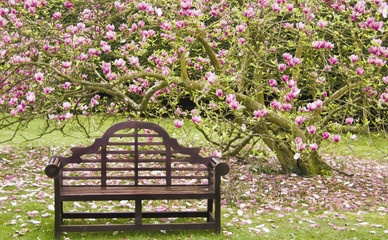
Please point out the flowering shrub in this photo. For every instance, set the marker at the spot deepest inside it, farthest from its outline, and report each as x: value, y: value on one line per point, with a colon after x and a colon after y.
x: 282, y: 71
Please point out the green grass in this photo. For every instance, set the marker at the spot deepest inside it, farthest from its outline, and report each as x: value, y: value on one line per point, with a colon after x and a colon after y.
x: 28, y: 190
x: 373, y: 146
x: 72, y: 134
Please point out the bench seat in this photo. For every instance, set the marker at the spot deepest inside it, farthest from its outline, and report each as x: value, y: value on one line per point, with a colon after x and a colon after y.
x: 90, y: 193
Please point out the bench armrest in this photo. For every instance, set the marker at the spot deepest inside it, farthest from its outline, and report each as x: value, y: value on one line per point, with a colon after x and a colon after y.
x: 220, y: 168
x: 53, y: 167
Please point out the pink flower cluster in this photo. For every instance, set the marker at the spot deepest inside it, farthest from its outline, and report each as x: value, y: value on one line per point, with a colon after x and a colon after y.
x: 231, y: 100
x: 322, y: 44
x: 260, y: 113
x: 292, y: 61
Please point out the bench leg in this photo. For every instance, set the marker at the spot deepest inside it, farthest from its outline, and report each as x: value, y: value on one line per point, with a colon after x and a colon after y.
x: 138, y: 210
x: 58, y: 210
x: 209, y: 209
x: 58, y: 218
x: 217, y: 214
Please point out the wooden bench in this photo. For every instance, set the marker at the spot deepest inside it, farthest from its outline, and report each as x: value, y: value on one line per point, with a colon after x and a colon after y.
x: 136, y: 161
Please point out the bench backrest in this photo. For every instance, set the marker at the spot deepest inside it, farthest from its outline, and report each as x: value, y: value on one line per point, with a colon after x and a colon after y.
x: 135, y: 153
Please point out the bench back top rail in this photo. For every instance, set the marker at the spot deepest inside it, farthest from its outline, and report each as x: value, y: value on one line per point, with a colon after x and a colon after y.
x: 135, y: 153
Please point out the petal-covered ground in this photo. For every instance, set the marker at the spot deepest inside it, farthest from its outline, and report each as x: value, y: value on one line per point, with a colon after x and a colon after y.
x: 253, y: 202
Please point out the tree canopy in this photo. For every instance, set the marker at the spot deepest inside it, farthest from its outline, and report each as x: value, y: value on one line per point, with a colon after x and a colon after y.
x: 292, y: 74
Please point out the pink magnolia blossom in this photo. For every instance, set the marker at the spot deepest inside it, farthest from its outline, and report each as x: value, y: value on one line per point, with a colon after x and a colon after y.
x: 287, y: 57
x: 83, y: 56
x: 300, y: 25
x: 23, y: 104
x: 336, y: 138
x: 134, y: 61
x: 12, y: 101
x: 68, y: 4
x: 311, y: 106
x: 329, y: 45
x: 360, y: 7
x: 119, y: 6
x: 66, y: 105
x: 66, y: 85
x: 353, y: 137
x: 359, y: 71
x: 385, y: 79
x: 66, y: 65
x: 260, y: 113
x: 196, y: 119
x: 119, y: 62
x: 20, y: 108
x: 110, y: 27
x: 299, y: 119
x: 349, y: 120
x: 272, y: 82
x: 240, y: 28
x: 313, y: 146
x: 106, y: 48
x: 106, y: 67
x: 56, y: 15
x: 68, y: 115
x: 186, y: 4
x: 48, y: 90
x: 179, y: 24
x: 353, y: 58
x: 276, y: 8
x: 311, y: 129
x: 141, y: 24
x: 38, y: 76
x: 30, y: 96
x: 110, y: 35
x: 294, y: 61
x: 213, y: 105
x: 285, y: 78
x: 291, y: 83
x: 249, y: 13
x: 287, y: 107
x: 234, y: 105
x: 13, y: 112
x: 94, y: 102
x: 322, y: 23
x: 230, y: 98
x: 301, y: 146
x: 290, y: 7
x: 3, y: 22
x: 111, y: 76
x: 333, y: 60
x: 325, y: 135
x: 210, y: 77
x: 165, y: 71
x: 178, y: 123
x: 219, y: 93
x: 276, y: 105
x: 282, y: 67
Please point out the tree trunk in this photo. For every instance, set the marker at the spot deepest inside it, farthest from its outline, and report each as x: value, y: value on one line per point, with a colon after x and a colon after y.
x: 307, y: 163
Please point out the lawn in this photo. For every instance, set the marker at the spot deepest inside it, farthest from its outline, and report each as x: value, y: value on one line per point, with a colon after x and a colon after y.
x: 258, y: 201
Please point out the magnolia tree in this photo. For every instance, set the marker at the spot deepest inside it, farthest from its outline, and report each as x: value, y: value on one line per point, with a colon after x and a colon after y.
x: 289, y: 73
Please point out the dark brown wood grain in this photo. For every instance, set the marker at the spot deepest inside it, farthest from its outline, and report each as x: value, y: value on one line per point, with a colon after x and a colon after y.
x: 129, y: 167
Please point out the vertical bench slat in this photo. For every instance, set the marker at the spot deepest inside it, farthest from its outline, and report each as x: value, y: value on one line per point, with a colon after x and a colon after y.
x: 136, y: 157
x: 103, y: 165
x: 168, y: 165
